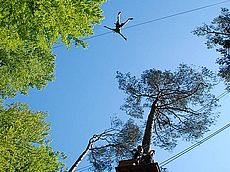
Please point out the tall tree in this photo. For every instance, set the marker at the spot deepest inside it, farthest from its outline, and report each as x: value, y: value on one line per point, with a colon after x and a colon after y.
x: 177, y: 103
x: 29, y: 29
x: 24, y: 145
x: 218, y: 35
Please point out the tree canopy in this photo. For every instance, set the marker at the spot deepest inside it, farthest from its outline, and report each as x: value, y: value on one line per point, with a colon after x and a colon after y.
x: 42, y: 23
x: 24, y: 145
x: 177, y: 103
x: 218, y: 35
x: 29, y: 29
x: 21, y: 69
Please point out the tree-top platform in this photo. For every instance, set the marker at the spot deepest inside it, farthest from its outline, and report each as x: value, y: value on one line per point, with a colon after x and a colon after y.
x: 132, y: 166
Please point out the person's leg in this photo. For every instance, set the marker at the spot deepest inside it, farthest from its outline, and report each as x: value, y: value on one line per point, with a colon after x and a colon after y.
x: 123, y: 36
x: 119, y: 17
x: 118, y: 25
x: 122, y: 24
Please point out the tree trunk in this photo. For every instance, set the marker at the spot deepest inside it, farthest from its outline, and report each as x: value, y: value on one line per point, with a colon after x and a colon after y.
x: 76, y: 163
x: 146, y: 142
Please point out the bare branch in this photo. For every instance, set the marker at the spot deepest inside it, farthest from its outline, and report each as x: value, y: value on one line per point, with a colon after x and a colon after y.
x: 79, y: 159
x: 187, y: 110
x: 105, y: 146
x: 214, y: 32
x: 186, y: 95
x: 158, y: 136
x: 92, y: 140
x: 172, y: 112
x: 169, y: 121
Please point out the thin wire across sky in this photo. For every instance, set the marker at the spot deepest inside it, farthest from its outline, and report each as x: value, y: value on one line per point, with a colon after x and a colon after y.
x: 171, y: 159
x: 155, y: 20
x: 198, y: 143
x: 162, y: 164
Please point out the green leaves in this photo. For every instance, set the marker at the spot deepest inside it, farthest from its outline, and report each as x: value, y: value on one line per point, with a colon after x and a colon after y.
x: 27, y: 36
x: 43, y: 22
x: 25, y: 68
x: 23, y: 145
x: 29, y: 29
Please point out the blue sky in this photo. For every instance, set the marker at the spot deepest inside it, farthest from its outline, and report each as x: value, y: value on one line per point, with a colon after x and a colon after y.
x: 85, y: 92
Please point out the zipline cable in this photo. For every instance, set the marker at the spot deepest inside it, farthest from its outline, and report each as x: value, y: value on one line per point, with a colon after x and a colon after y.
x: 84, y: 168
x: 162, y: 164
x: 201, y: 141
x: 187, y: 149
x: 177, y: 14
x: 217, y: 99
x: 193, y: 146
x: 157, y: 19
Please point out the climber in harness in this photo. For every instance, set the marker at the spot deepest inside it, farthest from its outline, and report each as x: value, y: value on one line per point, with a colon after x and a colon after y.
x: 119, y: 25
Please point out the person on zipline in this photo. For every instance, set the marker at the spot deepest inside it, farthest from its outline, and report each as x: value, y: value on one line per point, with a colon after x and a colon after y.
x: 119, y: 25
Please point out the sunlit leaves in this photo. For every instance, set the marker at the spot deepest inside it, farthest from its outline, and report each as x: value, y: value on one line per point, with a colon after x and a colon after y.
x: 43, y: 22
x: 25, y: 68
x: 24, y: 146
x: 29, y: 29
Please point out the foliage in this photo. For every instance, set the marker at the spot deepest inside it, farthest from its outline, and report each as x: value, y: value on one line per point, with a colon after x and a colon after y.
x: 217, y: 33
x: 115, y: 146
x: 41, y: 23
x: 177, y: 103
x: 181, y: 106
x: 23, y: 145
x: 29, y: 29
x: 24, y: 68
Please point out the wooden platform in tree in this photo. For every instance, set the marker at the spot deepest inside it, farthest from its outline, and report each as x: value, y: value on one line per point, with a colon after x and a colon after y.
x: 132, y: 166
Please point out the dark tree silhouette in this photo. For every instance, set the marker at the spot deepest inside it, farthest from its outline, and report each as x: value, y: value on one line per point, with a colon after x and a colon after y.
x: 176, y: 102
x: 180, y: 106
x: 116, y: 146
x: 218, y: 35
x: 105, y: 135
x: 109, y: 146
